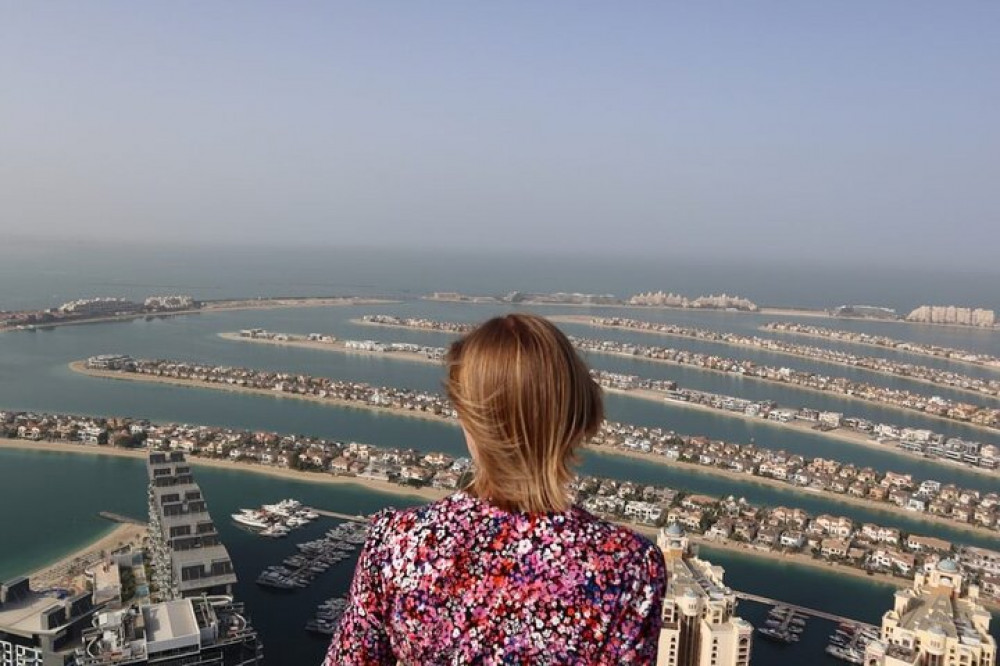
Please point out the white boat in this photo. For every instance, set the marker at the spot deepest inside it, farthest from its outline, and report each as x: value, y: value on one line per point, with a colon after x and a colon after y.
x: 250, y: 518
x: 277, y: 509
x: 275, y: 532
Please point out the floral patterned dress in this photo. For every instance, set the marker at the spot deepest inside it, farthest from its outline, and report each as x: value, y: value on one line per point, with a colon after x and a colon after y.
x: 460, y: 581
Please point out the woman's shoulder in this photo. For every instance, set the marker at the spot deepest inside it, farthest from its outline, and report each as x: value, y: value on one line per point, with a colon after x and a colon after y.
x: 619, y: 541
x: 392, y: 521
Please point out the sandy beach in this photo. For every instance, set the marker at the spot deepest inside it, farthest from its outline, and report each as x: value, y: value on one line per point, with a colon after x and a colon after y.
x: 428, y: 494
x: 799, y: 387
x: 885, y: 507
x: 80, y: 367
x: 335, y: 346
x: 842, y: 434
x: 68, y: 572
x: 850, y: 500
x: 585, y: 321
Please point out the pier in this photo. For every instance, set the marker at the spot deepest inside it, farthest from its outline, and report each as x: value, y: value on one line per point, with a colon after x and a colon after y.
x: 802, y: 610
x: 119, y: 518
x: 355, y: 518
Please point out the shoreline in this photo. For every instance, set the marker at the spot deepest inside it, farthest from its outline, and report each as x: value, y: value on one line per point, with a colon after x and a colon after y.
x: 846, y: 436
x: 581, y: 320
x: 946, y: 359
x: 764, y: 380
x: 80, y: 367
x: 793, y: 312
x: 884, y: 507
x: 767, y: 310
x: 836, y: 498
x: 430, y: 494
x: 335, y: 346
x: 799, y: 387
x: 361, y: 322
x: 840, y: 434
x: 59, y: 573
x: 229, y: 305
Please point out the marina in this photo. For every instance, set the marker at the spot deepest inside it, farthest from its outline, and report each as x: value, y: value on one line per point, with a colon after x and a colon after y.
x: 849, y: 641
x: 784, y: 624
x: 327, y: 615
x: 276, y: 520
x: 287, y: 417
x: 314, y: 558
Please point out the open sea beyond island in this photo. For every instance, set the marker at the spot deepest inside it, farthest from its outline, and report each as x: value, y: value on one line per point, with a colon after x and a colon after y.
x: 49, y: 501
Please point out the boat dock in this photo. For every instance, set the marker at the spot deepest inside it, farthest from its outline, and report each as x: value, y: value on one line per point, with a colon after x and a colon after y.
x: 849, y: 642
x: 783, y: 624
x: 802, y: 610
x: 355, y: 518
x: 119, y: 518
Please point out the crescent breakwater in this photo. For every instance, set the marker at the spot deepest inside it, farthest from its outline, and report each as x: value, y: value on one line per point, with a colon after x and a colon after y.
x: 719, y: 522
x: 30, y: 320
x: 917, y: 443
x: 895, y: 493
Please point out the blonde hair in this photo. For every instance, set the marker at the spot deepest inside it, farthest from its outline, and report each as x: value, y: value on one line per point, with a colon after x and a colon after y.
x: 527, y: 401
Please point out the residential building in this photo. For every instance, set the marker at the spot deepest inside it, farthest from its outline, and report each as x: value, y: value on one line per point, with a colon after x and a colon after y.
x: 194, y: 631
x: 700, y: 627
x: 188, y: 558
x: 40, y: 629
x: 937, y: 622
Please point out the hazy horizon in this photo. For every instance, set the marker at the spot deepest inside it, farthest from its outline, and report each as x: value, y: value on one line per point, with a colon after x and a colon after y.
x: 770, y: 133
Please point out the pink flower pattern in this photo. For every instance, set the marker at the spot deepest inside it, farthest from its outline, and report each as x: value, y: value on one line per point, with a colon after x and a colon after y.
x: 460, y: 581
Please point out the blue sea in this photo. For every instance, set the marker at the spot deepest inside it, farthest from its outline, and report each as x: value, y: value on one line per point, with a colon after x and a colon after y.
x: 41, y: 526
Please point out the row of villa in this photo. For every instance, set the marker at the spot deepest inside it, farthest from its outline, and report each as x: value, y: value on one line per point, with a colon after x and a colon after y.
x: 988, y: 387
x: 976, y: 508
x: 858, y: 337
x: 281, y: 382
x: 838, y: 539
x: 434, y: 353
x: 933, y: 405
x: 920, y: 441
x: 961, y: 505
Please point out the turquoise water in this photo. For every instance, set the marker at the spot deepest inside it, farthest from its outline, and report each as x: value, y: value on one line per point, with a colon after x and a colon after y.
x: 49, y: 502
x: 53, y: 524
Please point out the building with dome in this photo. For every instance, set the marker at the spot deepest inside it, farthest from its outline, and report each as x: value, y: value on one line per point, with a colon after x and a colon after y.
x: 937, y: 622
x: 700, y: 627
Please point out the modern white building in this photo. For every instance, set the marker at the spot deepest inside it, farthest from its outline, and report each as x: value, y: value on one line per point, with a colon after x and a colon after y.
x: 700, y: 627
x: 937, y: 622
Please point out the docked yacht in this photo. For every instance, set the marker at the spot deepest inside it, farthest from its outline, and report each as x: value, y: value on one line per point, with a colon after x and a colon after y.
x: 250, y: 518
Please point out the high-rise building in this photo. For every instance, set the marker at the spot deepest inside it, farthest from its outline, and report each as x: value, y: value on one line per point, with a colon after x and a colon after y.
x: 197, y: 622
x: 40, y: 628
x: 937, y: 622
x: 700, y: 627
x: 188, y: 559
x: 195, y: 631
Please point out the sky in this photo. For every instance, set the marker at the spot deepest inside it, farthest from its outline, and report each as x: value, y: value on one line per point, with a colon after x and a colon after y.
x: 814, y: 131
